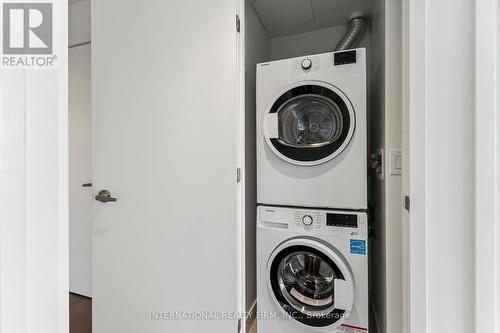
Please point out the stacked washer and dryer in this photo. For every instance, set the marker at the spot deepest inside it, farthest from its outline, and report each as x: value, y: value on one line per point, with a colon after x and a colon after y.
x: 312, y: 225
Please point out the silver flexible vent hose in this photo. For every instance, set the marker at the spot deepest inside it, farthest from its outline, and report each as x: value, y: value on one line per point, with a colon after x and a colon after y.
x: 355, y: 31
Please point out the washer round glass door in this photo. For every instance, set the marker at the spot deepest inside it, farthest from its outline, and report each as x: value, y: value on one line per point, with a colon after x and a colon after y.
x: 311, y: 283
x: 310, y: 124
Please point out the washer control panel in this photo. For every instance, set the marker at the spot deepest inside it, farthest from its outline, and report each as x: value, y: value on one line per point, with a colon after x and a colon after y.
x: 342, y: 220
x: 312, y: 221
x: 308, y: 220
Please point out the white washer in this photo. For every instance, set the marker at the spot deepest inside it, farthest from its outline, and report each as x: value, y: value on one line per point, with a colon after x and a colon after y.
x: 311, y: 131
x: 312, y: 271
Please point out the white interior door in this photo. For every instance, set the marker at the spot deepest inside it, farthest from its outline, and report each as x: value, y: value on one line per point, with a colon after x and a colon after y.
x: 80, y: 197
x: 164, y: 144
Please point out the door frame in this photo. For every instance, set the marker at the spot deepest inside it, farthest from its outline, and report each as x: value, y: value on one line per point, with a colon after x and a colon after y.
x: 414, y: 174
x: 486, y: 161
x: 487, y: 167
x: 241, y: 199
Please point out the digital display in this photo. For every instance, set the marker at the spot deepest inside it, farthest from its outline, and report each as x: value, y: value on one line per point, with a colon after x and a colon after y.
x: 342, y: 220
x: 344, y: 58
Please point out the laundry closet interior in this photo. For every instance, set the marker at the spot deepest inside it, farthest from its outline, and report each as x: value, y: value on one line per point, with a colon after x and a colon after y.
x: 295, y: 32
x: 228, y: 166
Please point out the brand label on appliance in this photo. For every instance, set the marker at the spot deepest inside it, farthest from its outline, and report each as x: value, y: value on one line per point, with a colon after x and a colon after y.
x: 358, y: 246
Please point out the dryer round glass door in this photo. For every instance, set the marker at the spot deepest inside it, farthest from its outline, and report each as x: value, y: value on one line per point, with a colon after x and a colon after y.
x: 311, y: 283
x: 310, y: 124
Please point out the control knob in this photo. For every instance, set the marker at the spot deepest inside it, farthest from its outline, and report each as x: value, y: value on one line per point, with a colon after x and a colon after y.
x: 306, y: 63
x: 307, y: 220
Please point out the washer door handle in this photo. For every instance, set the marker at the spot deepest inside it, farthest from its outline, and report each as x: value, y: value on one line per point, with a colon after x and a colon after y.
x: 343, y: 297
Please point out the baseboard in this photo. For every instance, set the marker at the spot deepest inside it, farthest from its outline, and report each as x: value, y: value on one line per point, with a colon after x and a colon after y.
x: 251, y: 315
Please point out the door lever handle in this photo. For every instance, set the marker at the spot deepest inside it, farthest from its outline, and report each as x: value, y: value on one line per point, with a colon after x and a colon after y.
x: 105, y: 196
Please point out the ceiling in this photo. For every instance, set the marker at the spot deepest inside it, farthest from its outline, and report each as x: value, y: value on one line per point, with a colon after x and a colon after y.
x: 288, y: 17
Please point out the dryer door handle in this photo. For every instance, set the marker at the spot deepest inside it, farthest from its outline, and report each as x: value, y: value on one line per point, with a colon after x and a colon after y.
x: 271, y: 130
x: 343, y: 295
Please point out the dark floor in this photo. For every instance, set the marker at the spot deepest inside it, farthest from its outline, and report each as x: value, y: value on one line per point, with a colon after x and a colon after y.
x: 80, y: 314
x: 253, y: 328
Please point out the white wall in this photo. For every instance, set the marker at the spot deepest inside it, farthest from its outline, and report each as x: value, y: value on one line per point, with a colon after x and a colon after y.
x: 34, y: 192
x: 81, y: 198
x: 257, y: 50
x: 318, y: 41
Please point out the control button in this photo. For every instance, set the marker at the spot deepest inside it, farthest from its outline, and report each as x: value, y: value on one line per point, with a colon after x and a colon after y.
x: 306, y: 63
x: 307, y: 220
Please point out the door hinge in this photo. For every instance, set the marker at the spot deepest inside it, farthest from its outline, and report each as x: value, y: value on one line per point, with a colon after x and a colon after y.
x: 239, y: 325
x: 407, y: 203
x: 238, y: 175
x: 238, y: 23
x: 377, y: 163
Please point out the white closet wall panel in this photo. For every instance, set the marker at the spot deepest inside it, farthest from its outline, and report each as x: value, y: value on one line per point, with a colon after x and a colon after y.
x: 34, y: 193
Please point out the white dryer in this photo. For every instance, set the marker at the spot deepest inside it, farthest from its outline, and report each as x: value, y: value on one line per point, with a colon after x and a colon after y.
x: 311, y: 131
x: 312, y: 271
